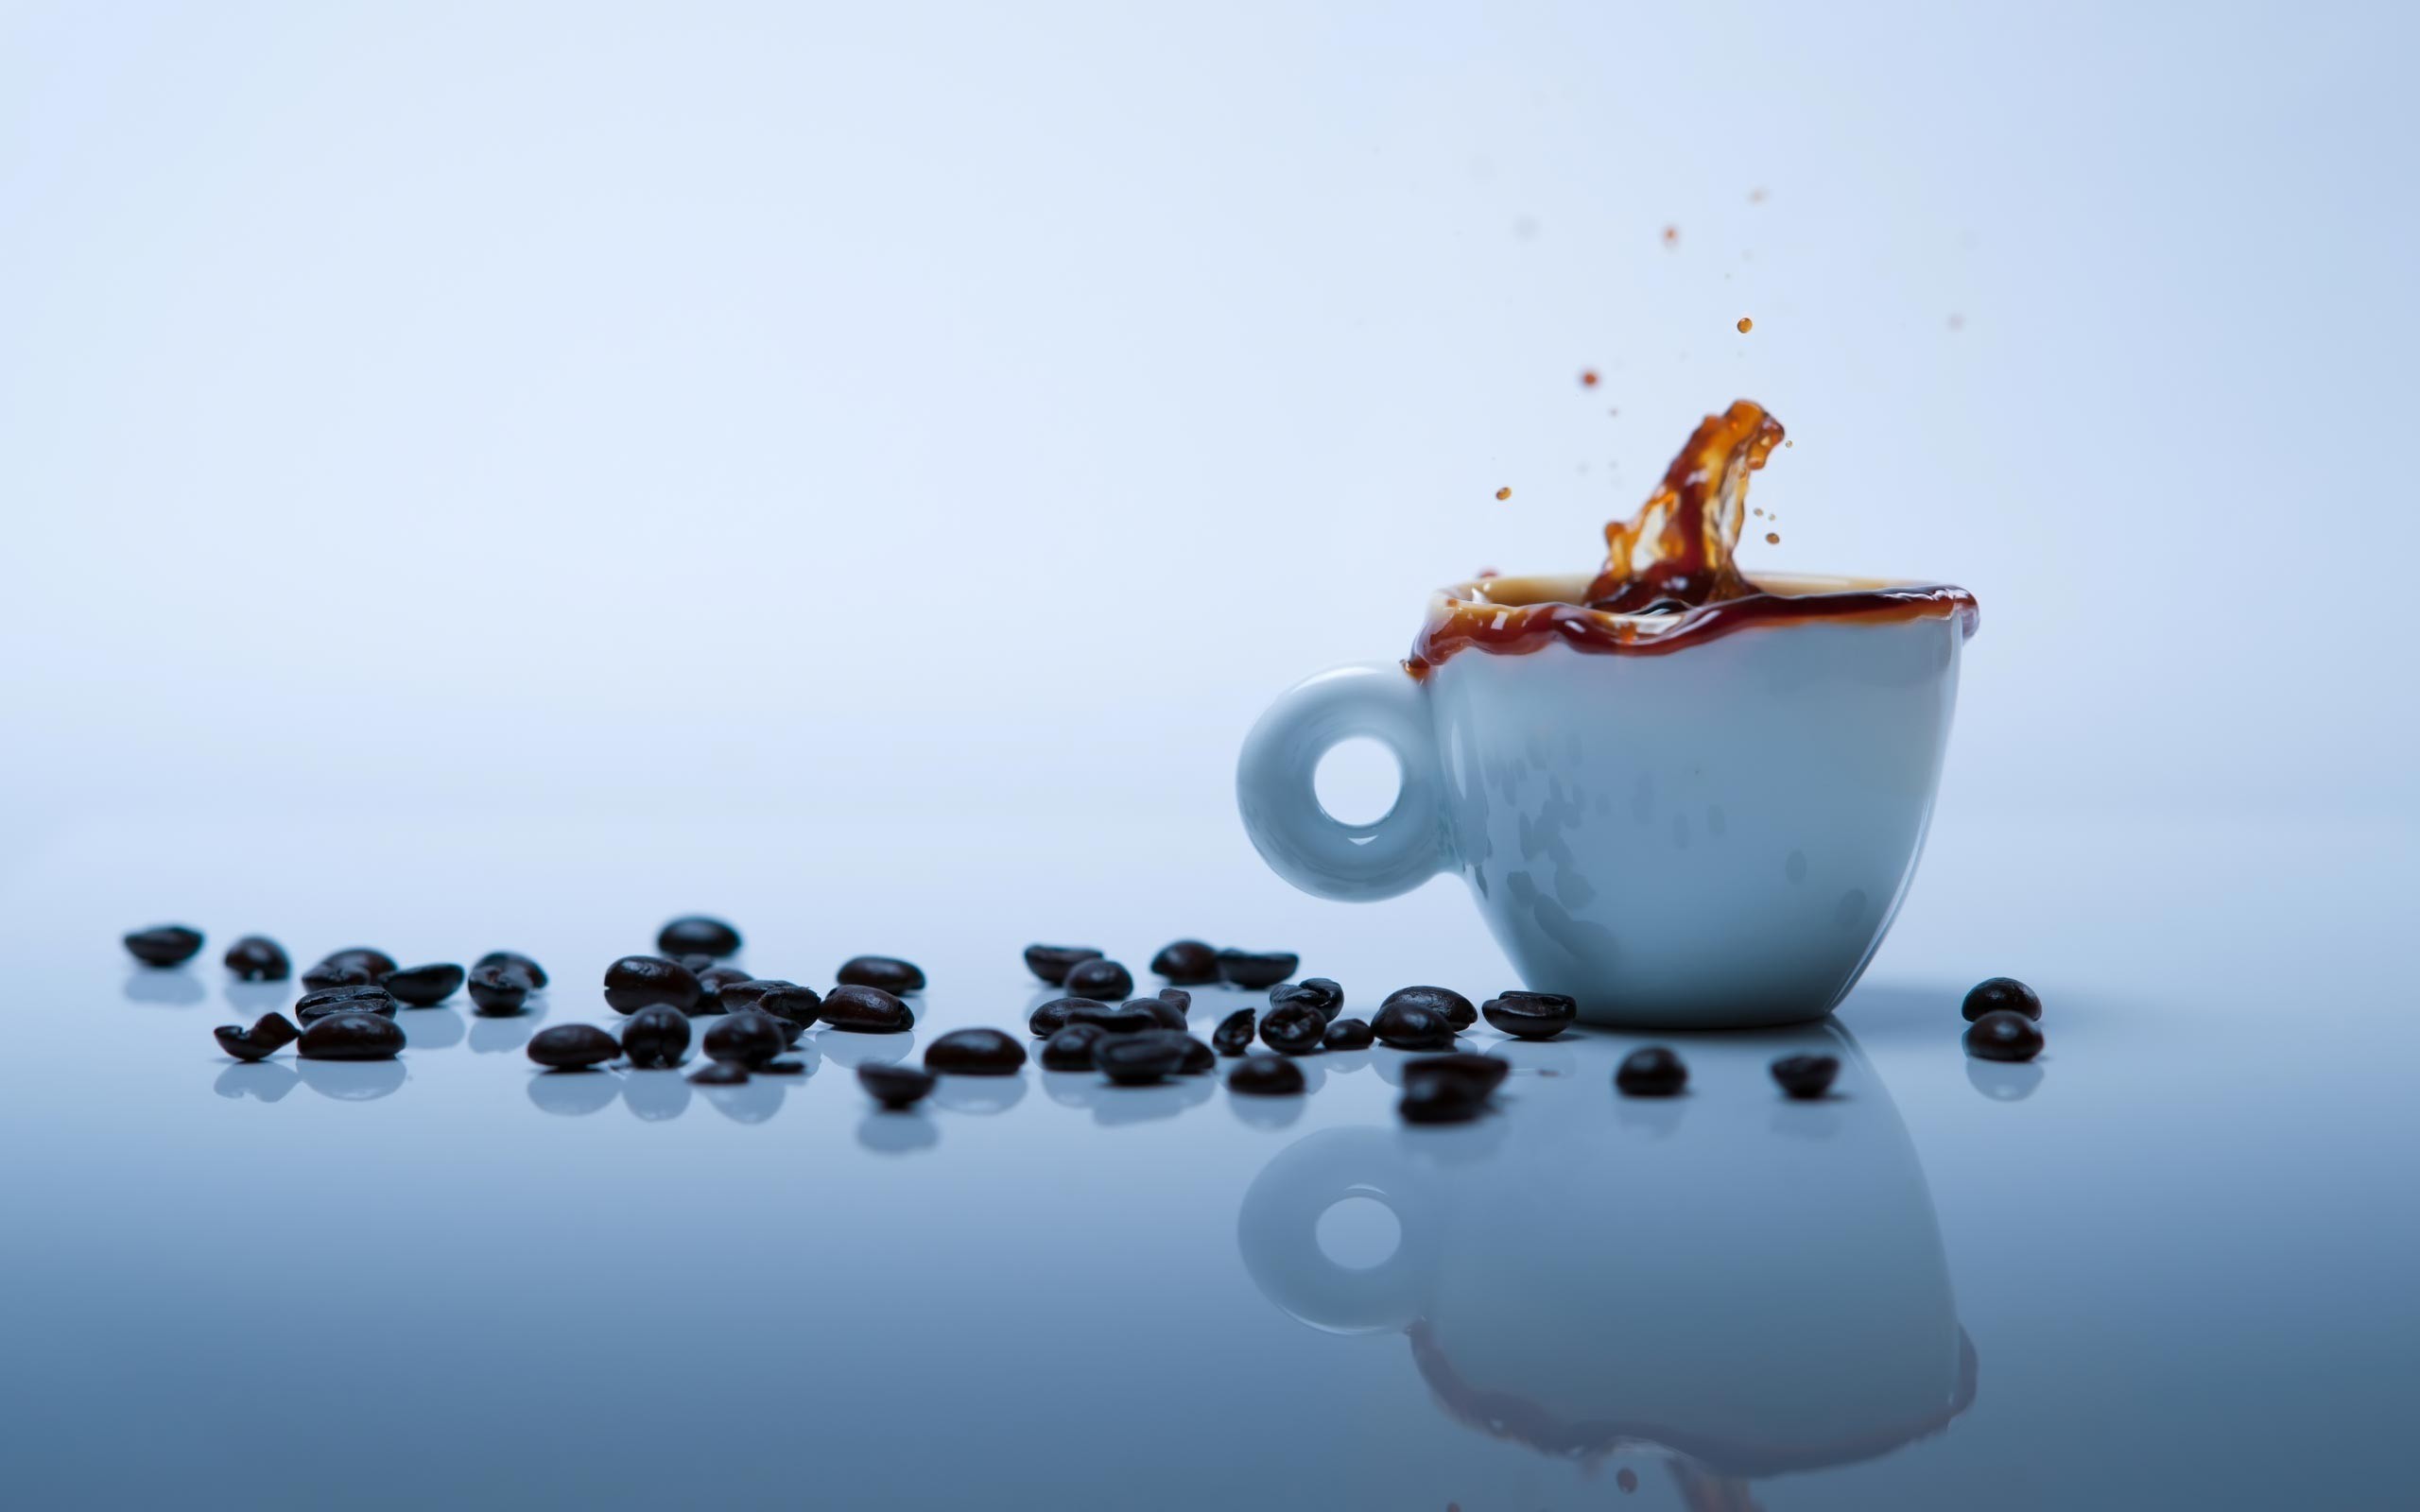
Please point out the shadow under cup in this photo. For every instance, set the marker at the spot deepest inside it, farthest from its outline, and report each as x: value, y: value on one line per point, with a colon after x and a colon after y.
x: 1715, y: 835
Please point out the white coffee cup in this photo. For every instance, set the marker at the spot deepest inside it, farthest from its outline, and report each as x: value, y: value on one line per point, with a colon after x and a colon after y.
x: 1716, y: 836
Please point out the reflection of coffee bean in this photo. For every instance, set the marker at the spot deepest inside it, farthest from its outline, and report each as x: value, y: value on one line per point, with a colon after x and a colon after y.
x: 751, y: 1037
x: 359, y: 998
x: 636, y: 982
x: 1187, y: 962
x: 1100, y: 978
x: 351, y: 1037
x: 1295, y: 1030
x: 164, y: 944
x: 711, y: 983
x: 572, y: 1046
x: 1071, y: 1048
x: 1348, y: 1034
x: 514, y: 960
x: 1235, y: 1032
x: 1050, y: 962
x: 1315, y: 992
x: 866, y: 1010
x: 1266, y: 1076
x: 1806, y: 1076
x: 2001, y: 994
x: 888, y: 972
x: 1530, y: 1015
x: 720, y: 1073
x: 259, y: 958
x: 2004, y: 1035
x: 1247, y: 968
x: 895, y: 1086
x: 975, y: 1053
x: 1410, y: 1027
x: 1051, y: 1016
x: 1653, y: 1072
x: 1440, y: 1100
x: 657, y: 1036
x: 1456, y: 1008
x: 423, y: 986
x: 273, y: 1032
x: 1127, y: 1018
x: 1483, y: 1072
x: 1138, y: 1059
x: 499, y: 989
x: 697, y: 936
x: 782, y: 1068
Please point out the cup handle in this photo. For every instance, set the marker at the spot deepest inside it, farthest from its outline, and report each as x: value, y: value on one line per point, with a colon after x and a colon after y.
x: 1300, y: 840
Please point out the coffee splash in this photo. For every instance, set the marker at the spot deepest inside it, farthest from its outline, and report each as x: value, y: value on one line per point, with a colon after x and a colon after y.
x: 1678, y: 548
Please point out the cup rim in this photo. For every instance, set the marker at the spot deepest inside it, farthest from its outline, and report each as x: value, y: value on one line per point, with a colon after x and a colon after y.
x: 1571, y: 590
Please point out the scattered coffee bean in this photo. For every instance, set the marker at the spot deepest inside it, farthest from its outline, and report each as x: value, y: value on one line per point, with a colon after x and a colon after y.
x: 1100, y: 978
x: 1530, y: 1015
x: 1485, y: 1073
x: 746, y: 992
x: 273, y: 1032
x: 720, y: 1073
x: 866, y: 1010
x: 359, y: 998
x: 636, y: 982
x: 423, y: 986
x: 164, y: 944
x: 1235, y: 1032
x: 335, y: 973
x: 657, y: 1036
x: 697, y: 935
x: 1440, y: 1100
x: 2001, y: 994
x: 1409, y: 1025
x: 1124, y: 1019
x: 750, y: 1037
x: 791, y: 1029
x: 1187, y: 962
x: 895, y: 1086
x: 259, y: 958
x: 696, y: 964
x: 1295, y: 1030
x: 1805, y: 1076
x: 497, y: 989
x: 1050, y: 962
x: 1266, y: 1075
x: 710, y: 985
x: 1253, y: 970
x: 975, y: 1053
x: 514, y: 960
x: 1071, y: 1048
x: 376, y: 963
x: 782, y: 1068
x: 351, y: 1037
x: 1316, y: 992
x: 1456, y: 1008
x: 1138, y: 1059
x: 1348, y: 1034
x: 1164, y: 1013
x: 1653, y: 1072
x: 572, y: 1046
x: 1199, y: 1059
x: 1051, y: 1016
x: 888, y: 972
x: 2004, y: 1033
x: 797, y: 1005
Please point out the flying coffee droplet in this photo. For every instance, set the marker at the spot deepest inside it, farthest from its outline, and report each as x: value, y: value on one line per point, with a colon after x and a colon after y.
x: 1671, y: 236
x: 1503, y: 493
x: 1587, y: 377
x: 1746, y: 325
x: 1772, y: 537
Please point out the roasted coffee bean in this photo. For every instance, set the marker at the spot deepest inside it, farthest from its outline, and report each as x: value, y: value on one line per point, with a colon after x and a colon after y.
x: 1296, y: 1031
x: 696, y: 964
x: 1199, y: 1059
x: 273, y: 1032
x: 1266, y: 1075
x: 657, y: 1036
x: 1235, y: 1032
x: 1177, y: 997
x: 710, y: 985
x: 374, y: 964
x: 515, y: 960
x: 895, y: 1086
x: 1456, y: 1008
x: 1485, y: 1073
x: 866, y: 1010
x: 1187, y: 962
x: 2001, y: 994
x: 750, y: 1037
x: 1347, y: 1034
x: 1440, y: 1100
x: 746, y: 992
x: 720, y: 1073
x: 791, y: 1029
x: 888, y: 972
x: 1100, y: 978
x: 2004, y: 1033
x: 697, y: 935
x: 1530, y: 1015
x: 498, y: 989
x: 1164, y: 1013
x: 1050, y: 962
x: 164, y: 944
x: 1805, y: 1076
x: 1051, y: 1016
x: 1311, y: 992
x: 975, y: 1053
x: 259, y: 958
x: 1411, y: 1026
x: 1653, y: 1072
x: 1124, y: 1019
x: 1138, y: 1059
x: 359, y: 998
x: 636, y: 982
x: 335, y: 973
x: 351, y: 1037
x: 1255, y: 971
x: 800, y: 1006
x: 423, y: 986
x: 1071, y: 1048
x: 572, y: 1046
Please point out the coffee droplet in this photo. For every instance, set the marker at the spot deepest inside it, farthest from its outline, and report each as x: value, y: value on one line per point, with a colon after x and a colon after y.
x: 1746, y: 325
x: 1504, y: 493
x: 1772, y: 537
x: 1671, y: 236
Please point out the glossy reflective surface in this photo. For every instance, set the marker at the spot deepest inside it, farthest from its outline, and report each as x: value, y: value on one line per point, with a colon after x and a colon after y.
x: 2166, y: 1265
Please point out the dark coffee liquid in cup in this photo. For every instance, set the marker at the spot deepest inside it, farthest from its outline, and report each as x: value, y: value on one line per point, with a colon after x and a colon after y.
x: 1669, y: 579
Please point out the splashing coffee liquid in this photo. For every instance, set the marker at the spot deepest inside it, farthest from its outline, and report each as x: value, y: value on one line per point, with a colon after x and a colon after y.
x: 1669, y: 579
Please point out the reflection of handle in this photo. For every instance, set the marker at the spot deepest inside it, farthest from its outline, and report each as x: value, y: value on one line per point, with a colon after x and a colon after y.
x: 1278, y: 1232
x: 1300, y: 840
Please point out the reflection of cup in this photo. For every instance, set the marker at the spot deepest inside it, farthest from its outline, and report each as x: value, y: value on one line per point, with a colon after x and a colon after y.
x: 1749, y: 1296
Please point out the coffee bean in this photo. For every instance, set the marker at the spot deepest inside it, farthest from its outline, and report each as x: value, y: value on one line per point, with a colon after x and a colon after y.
x: 2001, y: 994
x: 273, y: 1032
x: 720, y: 1073
x: 2004, y: 1033
x: 888, y: 972
x: 1100, y: 978
x: 1315, y: 992
x: 697, y: 935
x: 1440, y: 1100
x: 975, y: 1053
x: 1199, y: 1059
x: 696, y: 964
x: 1051, y: 1016
x: 1411, y: 1026
x: 1530, y: 1015
x: 787, y: 1001
x: 791, y: 1029
x: 1164, y: 1013
x: 1138, y: 1059
x: 351, y: 1037
x: 571, y: 1046
x: 657, y: 1036
x: 164, y: 944
x: 746, y: 992
x: 498, y: 989
x: 1295, y: 1030
x: 636, y: 982
x: 750, y: 1037
x: 1235, y: 1032
x: 358, y: 998
x: 1805, y: 1076
x: 710, y: 985
x: 1071, y: 1048
x: 530, y: 970
x: 1188, y: 962
x: 1266, y: 1075
x: 1347, y: 1034
x: 895, y: 1086
x: 1653, y: 1072
x: 258, y: 959
x: 423, y: 986
x: 1456, y: 1008
x: 866, y: 1010
x: 1247, y: 968
x: 1124, y: 1019
x: 335, y: 973
x: 1050, y: 962
x: 1484, y: 1073
x: 1177, y: 997
x: 376, y: 963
